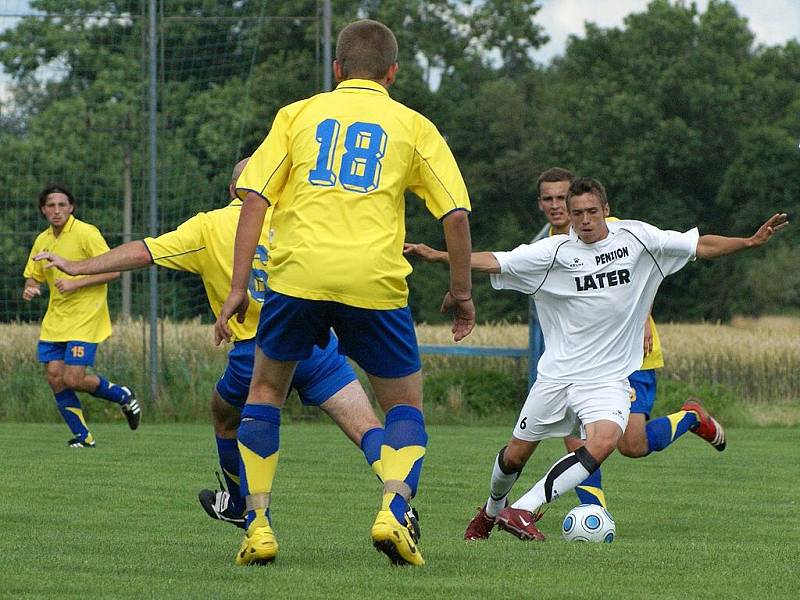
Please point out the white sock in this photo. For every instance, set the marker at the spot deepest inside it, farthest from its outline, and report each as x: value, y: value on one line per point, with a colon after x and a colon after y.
x: 501, y: 485
x: 563, y: 476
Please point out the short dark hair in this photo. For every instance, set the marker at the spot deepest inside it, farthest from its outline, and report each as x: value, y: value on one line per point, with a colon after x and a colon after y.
x: 55, y: 188
x: 553, y: 175
x: 366, y: 49
x: 587, y: 185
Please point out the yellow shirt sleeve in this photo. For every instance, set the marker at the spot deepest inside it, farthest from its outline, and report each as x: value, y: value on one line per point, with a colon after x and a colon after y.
x: 94, y: 243
x: 34, y: 269
x: 180, y: 249
x: 268, y: 169
x: 435, y: 176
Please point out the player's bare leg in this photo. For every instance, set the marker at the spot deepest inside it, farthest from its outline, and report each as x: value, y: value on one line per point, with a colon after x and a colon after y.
x: 402, y: 454
x: 633, y: 442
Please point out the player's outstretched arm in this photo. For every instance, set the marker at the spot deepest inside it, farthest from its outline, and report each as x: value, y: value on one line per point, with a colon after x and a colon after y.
x: 129, y: 256
x: 70, y: 285
x: 248, y: 232
x: 484, y: 262
x: 712, y: 246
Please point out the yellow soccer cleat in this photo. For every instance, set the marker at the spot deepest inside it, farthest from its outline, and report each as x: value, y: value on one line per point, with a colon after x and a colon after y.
x: 259, y: 546
x: 395, y: 540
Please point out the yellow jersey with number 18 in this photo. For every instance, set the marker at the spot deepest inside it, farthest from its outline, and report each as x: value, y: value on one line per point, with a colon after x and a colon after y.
x: 336, y: 166
x: 80, y: 315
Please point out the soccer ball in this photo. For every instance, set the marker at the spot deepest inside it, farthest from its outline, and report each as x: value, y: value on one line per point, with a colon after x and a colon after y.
x: 589, y: 523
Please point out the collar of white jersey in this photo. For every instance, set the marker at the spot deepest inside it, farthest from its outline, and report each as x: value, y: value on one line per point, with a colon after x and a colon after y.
x: 362, y: 85
x: 573, y: 236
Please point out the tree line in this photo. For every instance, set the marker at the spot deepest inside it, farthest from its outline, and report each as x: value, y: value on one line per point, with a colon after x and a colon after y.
x: 680, y: 114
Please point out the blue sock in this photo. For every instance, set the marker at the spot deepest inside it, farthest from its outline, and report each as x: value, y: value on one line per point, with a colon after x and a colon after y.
x: 590, y: 490
x: 70, y: 408
x: 663, y: 431
x: 110, y: 391
x: 402, y: 453
x: 371, y: 443
x: 258, y: 440
x: 228, y: 451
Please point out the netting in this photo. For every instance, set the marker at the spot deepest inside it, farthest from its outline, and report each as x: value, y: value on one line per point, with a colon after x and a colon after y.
x: 73, y: 109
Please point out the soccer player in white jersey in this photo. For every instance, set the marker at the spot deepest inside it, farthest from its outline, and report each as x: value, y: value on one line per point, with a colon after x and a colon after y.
x: 204, y: 245
x: 593, y: 289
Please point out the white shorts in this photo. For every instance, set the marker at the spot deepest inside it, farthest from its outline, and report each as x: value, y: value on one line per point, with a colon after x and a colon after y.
x: 555, y: 409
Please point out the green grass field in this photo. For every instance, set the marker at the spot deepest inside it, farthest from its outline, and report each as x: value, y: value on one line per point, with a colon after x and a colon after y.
x: 122, y: 521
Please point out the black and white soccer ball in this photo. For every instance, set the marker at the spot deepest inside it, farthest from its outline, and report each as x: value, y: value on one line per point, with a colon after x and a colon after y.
x: 589, y: 523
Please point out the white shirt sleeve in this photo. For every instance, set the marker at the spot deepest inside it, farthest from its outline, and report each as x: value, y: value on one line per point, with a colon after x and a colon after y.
x: 524, y: 268
x: 670, y: 249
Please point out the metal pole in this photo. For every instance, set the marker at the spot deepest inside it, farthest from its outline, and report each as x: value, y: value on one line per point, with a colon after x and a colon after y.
x: 327, y: 59
x: 127, y: 228
x: 153, y: 200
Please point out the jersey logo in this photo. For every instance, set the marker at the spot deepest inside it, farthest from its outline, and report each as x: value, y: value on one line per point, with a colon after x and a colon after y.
x: 575, y: 263
x: 602, y: 280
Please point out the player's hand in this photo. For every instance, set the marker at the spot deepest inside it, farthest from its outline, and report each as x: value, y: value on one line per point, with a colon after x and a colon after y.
x: 30, y: 292
x: 775, y: 223
x: 65, y: 286
x: 236, y: 304
x: 59, y: 262
x: 421, y: 250
x: 648, y: 337
x: 463, y: 316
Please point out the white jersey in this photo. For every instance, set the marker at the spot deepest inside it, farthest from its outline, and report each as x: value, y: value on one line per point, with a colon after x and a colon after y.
x: 593, y: 299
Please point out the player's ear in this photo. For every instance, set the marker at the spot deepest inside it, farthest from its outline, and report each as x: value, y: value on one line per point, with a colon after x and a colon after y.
x: 606, y: 210
x: 392, y: 73
x: 337, y: 71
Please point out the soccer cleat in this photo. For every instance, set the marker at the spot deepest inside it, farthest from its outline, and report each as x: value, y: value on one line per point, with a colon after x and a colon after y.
x: 131, y: 409
x: 520, y: 523
x: 395, y: 540
x: 217, y: 504
x: 259, y: 546
x: 77, y: 442
x: 707, y: 427
x: 480, y: 526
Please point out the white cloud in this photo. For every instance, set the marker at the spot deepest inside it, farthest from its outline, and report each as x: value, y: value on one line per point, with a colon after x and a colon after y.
x: 772, y: 21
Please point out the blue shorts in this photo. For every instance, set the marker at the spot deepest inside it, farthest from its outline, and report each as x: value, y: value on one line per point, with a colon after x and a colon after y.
x: 72, y: 353
x: 382, y: 342
x: 644, y: 386
x: 316, y: 379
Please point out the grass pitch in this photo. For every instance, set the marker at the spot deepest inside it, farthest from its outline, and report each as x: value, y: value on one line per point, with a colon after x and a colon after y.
x: 122, y: 520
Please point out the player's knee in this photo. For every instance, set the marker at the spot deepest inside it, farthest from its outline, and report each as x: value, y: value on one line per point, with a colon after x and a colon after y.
x: 72, y: 380
x: 225, y: 417
x: 55, y: 381
x: 632, y: 448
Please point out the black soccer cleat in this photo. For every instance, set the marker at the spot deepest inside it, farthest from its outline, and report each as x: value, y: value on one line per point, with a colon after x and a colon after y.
x: 77, y: 442
x: 131, y: 409
x: 217, y: 504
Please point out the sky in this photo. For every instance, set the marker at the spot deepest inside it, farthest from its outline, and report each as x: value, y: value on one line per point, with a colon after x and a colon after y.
x: 773, y: 22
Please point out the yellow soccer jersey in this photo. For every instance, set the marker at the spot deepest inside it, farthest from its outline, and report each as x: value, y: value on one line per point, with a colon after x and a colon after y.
x: 81, y: 315
x: 336, y: 167
x: 204, y: 245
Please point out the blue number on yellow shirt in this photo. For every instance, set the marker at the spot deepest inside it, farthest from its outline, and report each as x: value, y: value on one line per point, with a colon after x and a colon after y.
x: 327, y: 134
x: 258, y: 275
x: 364, y: 145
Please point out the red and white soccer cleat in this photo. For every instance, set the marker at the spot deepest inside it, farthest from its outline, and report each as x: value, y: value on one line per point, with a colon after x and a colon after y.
x: 707, y: 428
x: 520, y: 523
x: 480, y: 526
